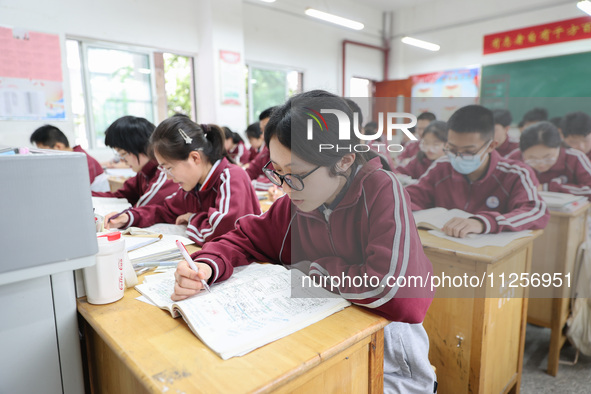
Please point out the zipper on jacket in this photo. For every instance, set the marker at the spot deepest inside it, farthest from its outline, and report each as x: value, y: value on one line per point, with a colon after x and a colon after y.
x: 327, y: 212
x: 469, y: 197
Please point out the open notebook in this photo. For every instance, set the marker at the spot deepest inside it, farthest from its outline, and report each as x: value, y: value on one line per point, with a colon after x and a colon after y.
x: 106, y: 205
x: 435, y: 218
x: 251, y: 309
x: 562, y: 202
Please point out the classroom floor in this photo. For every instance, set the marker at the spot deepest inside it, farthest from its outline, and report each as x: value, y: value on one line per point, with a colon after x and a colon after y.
x: 570, y: 378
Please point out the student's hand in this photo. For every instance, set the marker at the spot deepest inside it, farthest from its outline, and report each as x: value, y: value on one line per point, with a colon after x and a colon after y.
x: 188, y: 282
x: 117, y: 222
x: 183, y: 219
x: 274, y: 193
x: 460, y: 228
x: 540, y: 187
x: 245, y: 166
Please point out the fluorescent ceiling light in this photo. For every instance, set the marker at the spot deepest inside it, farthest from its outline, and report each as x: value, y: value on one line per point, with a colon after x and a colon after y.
x: 420, y: 43
x: 268, y: 1
x: 585, y: 6
x: 334, y: 19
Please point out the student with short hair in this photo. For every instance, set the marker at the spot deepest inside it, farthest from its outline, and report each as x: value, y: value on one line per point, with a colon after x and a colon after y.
x: 255, y: 167
x: 343, y: 215
x: 431, y: 145
x: 214, y: 193
x: 411, y: 148
x: 500, y: 193
x: 503, y: 119
x: 256, y: 139
x: 235, y: 147
x: 576, y: 130
x: 532, y: 116
x: 558, y: 168
x: 129, y: 136
x: 50, y: 137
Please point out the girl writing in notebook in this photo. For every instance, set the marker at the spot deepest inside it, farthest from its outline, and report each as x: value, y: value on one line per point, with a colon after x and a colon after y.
x: 214, y: 193
x: 129, y: 136
x: 558, y: 168
x: 431, y: 148
x: 343, y: 216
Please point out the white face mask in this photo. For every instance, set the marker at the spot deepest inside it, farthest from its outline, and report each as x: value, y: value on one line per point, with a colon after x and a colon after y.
x: 468, y: 163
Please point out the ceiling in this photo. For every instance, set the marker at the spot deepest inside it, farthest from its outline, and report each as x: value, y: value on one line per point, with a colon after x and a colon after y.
x: 392, y: 5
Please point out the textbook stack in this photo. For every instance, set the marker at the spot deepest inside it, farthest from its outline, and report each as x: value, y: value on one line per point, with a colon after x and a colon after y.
x: 562, y: 202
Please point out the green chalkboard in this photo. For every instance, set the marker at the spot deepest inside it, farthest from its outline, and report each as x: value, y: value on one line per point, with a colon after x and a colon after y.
x: 561, y: 84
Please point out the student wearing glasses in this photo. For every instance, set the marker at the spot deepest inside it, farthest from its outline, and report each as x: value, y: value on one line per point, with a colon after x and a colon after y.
x: 129, y: 137
x: 343, y: 213
x: 500, y: 193
x: 431, y: 148
x: 558, y: 167
x: 213, y: 192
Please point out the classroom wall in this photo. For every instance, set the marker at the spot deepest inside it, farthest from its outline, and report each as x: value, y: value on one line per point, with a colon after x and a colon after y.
x: 459, y: 27
x: 272, y: 34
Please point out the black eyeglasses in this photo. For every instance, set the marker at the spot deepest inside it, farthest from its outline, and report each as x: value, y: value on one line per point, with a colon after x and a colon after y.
x: 464, y: 155
x: 296, y: 182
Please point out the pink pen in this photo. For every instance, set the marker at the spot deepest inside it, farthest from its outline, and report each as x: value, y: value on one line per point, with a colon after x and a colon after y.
x: 190, y: 261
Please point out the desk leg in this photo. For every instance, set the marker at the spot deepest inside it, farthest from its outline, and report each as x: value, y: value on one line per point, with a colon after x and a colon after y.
x: 376, y: 363
x: 556, y: 337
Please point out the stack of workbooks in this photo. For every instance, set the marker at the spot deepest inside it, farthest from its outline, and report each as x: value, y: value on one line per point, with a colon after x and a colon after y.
x: 562, y: 202
x: 163, y: 250
x: 259, y: 304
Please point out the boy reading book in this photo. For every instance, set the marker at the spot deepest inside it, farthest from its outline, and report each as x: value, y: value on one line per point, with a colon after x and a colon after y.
x: 500, y: 193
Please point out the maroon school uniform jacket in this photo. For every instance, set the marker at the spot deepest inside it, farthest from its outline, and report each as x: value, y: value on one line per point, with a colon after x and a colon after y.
x: 239, y: 153
x: 225, y: 196
x: 415, y: 168
x: 94, y: 167
x: 371, y: 231
x: 381, y: 149
x: 255, y: 171
x: 410, y: 150
x: 149, y: 186
x: 571, y: 173
x: 507, y: 147
x: 254, y: 152
x: 504, y: 199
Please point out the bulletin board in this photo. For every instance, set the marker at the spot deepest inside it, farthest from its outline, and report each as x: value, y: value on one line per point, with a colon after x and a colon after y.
x: 443, y: 92
x: 561, y: 84
x: 31, y: 80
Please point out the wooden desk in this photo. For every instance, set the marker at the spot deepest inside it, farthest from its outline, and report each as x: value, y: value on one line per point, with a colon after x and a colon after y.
x: 477, y: 342
x: 556, y: 251
x: 134, y: 347
x: 116, y: 182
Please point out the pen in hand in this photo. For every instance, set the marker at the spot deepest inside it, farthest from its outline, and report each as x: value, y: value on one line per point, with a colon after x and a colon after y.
x: 190, y: 261
x: 119, y: 214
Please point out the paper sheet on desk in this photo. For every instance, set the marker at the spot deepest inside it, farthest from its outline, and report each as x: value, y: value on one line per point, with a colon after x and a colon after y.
x: 482, y: 240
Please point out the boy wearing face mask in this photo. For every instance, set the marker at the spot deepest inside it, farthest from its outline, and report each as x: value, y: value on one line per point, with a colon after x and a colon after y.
x: 500, y: 193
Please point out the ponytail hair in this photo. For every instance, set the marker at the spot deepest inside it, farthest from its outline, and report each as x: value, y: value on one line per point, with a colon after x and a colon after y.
x: 176, y: 137
x: 288, y: 123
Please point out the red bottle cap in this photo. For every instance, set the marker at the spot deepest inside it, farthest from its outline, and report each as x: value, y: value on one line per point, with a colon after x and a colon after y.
x: 113, y: 236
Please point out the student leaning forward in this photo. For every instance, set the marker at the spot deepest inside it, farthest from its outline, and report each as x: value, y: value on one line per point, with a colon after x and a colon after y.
x: 344, y: 215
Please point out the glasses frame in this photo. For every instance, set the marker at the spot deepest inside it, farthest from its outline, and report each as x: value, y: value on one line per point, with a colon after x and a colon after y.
x: 286, y: 178
x: 465, y: 155
x: 166, y: 171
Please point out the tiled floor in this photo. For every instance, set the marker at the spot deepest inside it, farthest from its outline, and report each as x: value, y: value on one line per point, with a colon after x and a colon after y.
x: 570, y: 378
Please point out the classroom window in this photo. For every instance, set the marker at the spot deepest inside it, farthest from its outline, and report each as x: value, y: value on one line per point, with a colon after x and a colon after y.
x: 267, y: 87
x: 108, y: 82
x: 119, y: 85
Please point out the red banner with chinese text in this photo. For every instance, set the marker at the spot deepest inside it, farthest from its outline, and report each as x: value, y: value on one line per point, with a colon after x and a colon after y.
x: 533, y: 36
